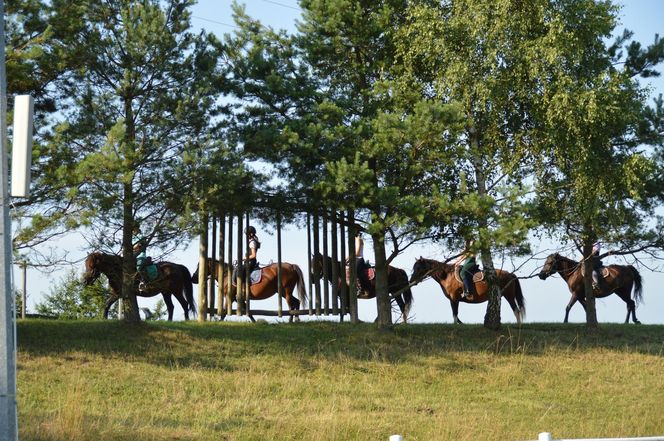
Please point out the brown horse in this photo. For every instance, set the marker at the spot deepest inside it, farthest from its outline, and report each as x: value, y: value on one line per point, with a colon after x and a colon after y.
x: 173, y: 279
x: 397, y: 280
x: 443, y: 273
x: 291, y: 275
x: 619, y: 280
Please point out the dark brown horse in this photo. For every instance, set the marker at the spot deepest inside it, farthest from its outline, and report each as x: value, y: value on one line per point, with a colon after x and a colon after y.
x: 397, y: 280
x: 620, y: 280
x: 173, y: 280
x: 291, y: 275
x: 443, y: 273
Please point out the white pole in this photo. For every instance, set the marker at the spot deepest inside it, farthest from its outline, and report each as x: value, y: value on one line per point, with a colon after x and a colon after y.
x: 396, y: 438
x: 545, y: 436
x: 8, y: 415
x: 22, y: 147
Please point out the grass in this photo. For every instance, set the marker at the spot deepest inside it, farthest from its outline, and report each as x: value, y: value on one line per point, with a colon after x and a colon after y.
x: 103, y: 380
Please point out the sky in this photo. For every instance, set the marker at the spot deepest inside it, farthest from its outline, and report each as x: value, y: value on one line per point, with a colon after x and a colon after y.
x: 545, y: 300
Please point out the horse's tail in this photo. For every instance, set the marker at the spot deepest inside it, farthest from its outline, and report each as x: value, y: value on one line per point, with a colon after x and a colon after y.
x: 518, y: 296
x: 188, y: 289
x: 638, y: 284
x: 407, y: 295
x: 301, y: 288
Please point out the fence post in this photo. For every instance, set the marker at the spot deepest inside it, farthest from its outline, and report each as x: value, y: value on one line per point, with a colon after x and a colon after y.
x: 545, y: 436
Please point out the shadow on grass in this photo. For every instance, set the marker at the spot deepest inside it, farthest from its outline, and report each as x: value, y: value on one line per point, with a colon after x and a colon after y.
x: 209, y: 345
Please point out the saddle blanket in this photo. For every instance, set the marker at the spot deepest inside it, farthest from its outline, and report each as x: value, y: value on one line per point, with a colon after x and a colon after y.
x: 152, y: 272
x: 255, y: 277
x: 477, y: 277
x: 604, y: 272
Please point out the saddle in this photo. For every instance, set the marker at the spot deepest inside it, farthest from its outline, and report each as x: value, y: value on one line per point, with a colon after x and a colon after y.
x: 369, y: 274
x: 477, y: 277
x: 255, y: 277
x: 604, y: 272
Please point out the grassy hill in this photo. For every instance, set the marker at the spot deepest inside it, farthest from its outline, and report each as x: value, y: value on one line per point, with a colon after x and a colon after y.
x: 100, y: 380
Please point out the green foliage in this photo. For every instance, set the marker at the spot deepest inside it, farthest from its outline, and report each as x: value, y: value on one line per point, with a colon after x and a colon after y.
x: 71, y: 300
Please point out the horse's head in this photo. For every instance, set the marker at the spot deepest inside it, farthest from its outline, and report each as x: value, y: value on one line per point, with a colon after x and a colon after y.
x: 92, y: 271
x: 317, y: 266
x: 551, y: 265
x: 421, y: 270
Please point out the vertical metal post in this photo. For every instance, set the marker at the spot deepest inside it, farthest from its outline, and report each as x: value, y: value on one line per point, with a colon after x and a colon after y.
x: 8, y: 415
x: 280, y: 289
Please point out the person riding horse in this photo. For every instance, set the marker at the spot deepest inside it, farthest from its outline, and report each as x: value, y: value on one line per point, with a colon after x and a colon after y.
x: 140, y: 246
x: 596, y: 262
x: 468, y: 267
x: 361, y: 265
x: 250, y: 262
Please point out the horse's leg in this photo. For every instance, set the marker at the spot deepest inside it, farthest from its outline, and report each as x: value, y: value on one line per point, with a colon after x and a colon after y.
x: 455, y: 311
x: 184, y: 304
x: 111, y: 300
x: 631, y: 304
x: 169, y: 305
x: 571, y: 303
x: 402, y: 308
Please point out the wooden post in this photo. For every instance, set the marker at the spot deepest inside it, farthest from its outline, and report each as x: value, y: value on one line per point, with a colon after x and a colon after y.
x: 239, y: 282
x: 247, y: 276
x: 352, y: 286
x: 229, y: 275
x: 202, y: 270
x: 326, y: 276
x: 335, y: 268
x: 342, y: 258
x: 213, y: 257
x: 316, y: 233
x: 222, y: 264
x: 309, y: 265
x: 280, y: 289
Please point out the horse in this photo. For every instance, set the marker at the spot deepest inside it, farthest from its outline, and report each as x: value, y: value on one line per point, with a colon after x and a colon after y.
x: 619, y: 280
x: 173, y: 279
x: 397, y: 281
x: 291, y: 276
x: 443, y: 273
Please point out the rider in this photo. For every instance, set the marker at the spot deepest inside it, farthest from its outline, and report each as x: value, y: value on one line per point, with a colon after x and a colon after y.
x: 468, y: 267
x: 250, y: 262
x: 597, y: 264
x: 139, y: 246
x: 360, y: 264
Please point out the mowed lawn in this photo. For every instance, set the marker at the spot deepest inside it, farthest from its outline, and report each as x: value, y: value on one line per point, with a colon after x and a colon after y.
x: 105, y: 380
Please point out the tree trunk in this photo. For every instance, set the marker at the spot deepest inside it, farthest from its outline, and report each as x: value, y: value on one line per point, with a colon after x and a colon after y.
x: 130, y: 307
x: 591, y: 311
x: 492, y: 316
x: 382, y: 296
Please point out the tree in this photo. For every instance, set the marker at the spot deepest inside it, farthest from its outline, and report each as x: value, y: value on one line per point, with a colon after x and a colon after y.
x: 71, y: 300
x: 145, y: 101
x: 596, y: 181
x: 324, y: 109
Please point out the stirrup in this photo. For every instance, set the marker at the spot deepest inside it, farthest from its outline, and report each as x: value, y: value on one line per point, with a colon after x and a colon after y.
x: 142, y: 286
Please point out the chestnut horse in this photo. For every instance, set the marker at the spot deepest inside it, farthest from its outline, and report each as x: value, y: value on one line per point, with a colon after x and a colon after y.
x: 397, y: 280
x: 443, y: 273
x: 291, y: 275
x: 620, y: 280
x: 173, y: 279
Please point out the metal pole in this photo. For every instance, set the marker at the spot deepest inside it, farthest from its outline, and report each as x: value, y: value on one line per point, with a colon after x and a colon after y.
x: 8, y: 415
x: 24, y: 291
